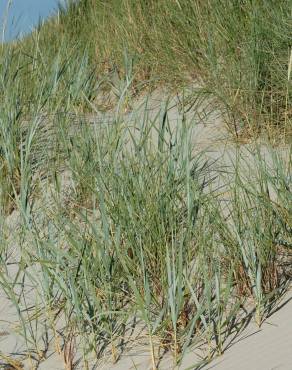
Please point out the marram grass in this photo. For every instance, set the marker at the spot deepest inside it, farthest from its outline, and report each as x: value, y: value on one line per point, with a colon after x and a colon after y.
x: 122, y: 226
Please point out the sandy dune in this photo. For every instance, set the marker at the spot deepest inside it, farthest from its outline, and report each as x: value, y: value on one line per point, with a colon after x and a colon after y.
x: 267, y: 348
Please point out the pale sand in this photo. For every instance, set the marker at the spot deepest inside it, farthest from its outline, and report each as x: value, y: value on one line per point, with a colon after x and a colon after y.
x: 265, y: 348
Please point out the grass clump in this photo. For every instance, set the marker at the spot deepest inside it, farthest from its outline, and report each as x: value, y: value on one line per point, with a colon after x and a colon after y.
x: 139, y: 240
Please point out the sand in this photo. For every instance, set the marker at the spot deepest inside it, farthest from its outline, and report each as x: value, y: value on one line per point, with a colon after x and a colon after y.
x: 265, y: 348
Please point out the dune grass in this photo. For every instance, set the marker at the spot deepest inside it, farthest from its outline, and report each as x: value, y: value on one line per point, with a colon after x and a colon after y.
x: 239, y: 51
x: 126, y: 225
x: 117, y: 229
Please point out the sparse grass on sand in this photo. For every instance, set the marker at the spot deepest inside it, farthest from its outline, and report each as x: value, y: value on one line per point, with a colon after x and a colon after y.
x: 123, y: 225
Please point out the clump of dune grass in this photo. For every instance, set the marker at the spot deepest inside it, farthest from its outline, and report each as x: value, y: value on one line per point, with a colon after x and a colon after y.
x: 139, y: 239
